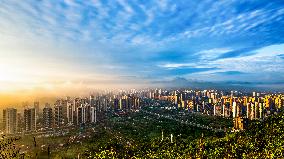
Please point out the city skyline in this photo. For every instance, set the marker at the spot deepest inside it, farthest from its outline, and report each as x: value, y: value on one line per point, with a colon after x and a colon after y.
x: 70, y: 46
x: 78, y: 111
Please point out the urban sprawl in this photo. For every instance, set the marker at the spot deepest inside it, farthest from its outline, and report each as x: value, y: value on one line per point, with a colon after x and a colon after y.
x: 78, y: 112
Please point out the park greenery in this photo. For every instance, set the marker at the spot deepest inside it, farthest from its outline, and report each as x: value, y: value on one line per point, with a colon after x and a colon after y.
x: 263, y: 139
x: 8, y: 148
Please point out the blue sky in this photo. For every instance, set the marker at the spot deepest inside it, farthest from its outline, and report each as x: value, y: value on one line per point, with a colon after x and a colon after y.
x: 139, y: 41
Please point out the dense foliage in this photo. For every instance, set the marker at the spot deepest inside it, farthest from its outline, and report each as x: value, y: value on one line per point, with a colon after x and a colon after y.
x: 8, y: 148
x: 261, y: 140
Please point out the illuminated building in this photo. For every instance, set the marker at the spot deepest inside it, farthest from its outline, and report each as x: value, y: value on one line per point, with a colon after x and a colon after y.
x: 59, y: 113
x: 10, y: 120
x: 36, y: 106
x: 70, y: 113
x: 30, y: 119
x: 93, y: 115
x: 234, y: 109
x: 47, y: 117
x: 248, y: 110
x: 240, y: 123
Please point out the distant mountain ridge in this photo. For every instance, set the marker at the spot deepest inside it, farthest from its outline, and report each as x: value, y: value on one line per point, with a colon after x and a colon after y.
x: 180, y: 82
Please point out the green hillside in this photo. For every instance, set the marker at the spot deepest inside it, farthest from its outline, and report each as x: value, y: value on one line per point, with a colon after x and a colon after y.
x: 260, y: 140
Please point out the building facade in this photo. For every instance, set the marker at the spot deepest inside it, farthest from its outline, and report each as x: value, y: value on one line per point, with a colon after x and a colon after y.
x: 10, y: 120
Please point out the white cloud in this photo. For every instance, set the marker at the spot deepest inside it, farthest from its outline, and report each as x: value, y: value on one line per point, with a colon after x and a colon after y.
x: 264, y: 60
x: 265, y: 64
x: 176, y: 65
x: 212, y: 53
x: 126, y: 6
x: 163, y: 4
x: 234, y: 24
x: 70, y: 3
x: 103, y: 11
x: 180, y: 65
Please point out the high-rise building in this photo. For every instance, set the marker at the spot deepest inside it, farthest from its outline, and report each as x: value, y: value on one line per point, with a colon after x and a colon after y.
x: 252, y: 112
x: 30, y: 119
x: 176, y: 98
x: 256, y: 109
x: 58, y: 115
x: 223, y: 110
x: 76, y: 104
x: 20, y: 122
x: 47, y: 117
x: 240, y: 123
x: 36, y: 106
x: 81, y: 115
x: 254, y: 94
x: 4, y: 119
x: 261, y: 110
x: 234, y: 109
x: 10, y: 120
x: 116, y: 104
x: 60, y: 112
x: 93, y: 115
x: 70, y: 113
x: 248, y: 110
x: 92, y: 100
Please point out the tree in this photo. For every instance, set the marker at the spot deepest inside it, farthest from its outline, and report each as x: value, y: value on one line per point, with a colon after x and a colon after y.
x: 8, y: 148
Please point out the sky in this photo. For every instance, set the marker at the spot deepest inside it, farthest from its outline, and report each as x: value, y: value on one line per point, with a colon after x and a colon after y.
x: 72, y: 45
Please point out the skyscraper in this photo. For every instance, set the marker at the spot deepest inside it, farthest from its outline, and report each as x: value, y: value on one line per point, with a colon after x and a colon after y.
x: 176, y: 98
x: 254, y: 94
x: 36, y: 106
x: 252, y: 114
x: 58, y: 115
x: 261, y: 110
x: 10, y: 120
x: 47, y: 117
x: 81, y: 115
x: 20, y: 122
x: 256, y: 109
x: 116, y: 104
x: 248, y: 110
x: 93, y: 114
x: 234, y: 109
x: 4, y: 119
x: 92, y: 100
x: 70, y: 113
x: 30, y: 119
